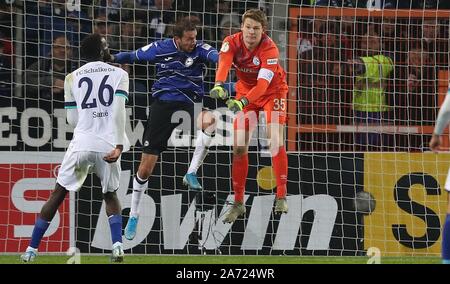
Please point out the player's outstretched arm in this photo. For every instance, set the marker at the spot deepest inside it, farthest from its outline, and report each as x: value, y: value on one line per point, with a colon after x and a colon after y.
x: 124, y: 57
x: 146, y: 53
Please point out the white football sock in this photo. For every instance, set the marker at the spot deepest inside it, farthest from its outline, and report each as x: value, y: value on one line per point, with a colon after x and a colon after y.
x: 138, y: 189
x: 201, y: 150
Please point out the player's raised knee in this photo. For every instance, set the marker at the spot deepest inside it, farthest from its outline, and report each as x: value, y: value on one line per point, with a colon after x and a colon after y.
x: 239, y: 150
x: 206, y: 121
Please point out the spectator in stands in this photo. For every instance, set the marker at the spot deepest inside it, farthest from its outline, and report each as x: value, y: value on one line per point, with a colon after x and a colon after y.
x: 45, y: 78
x: 370, y: 71
x: 6, y: 21
x: 320, y: 30
x: 320, y: 73
x: 229, y: 24
x: 127, y: 35
x: 110, y: 8
x: 430, y: 30
x: 140, y: 33
x: 435, y: 41
x: 426, y: 4
x: 421, y: 87
x: 53, y: 17
x: 330, y: 3
x: 444, y: 5
x: 141, y: 71
x: 418, y: 59
x: 404, y: 4
x: 5, y: 72
x: 133, y: 33
x: 394, y: 36
x: 327, y: 47
x: 107, y: 29
x: 7, y: 47
x: 161, y: 20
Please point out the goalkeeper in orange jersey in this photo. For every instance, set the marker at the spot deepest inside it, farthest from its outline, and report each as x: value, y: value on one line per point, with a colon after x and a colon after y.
x: 261, y: 86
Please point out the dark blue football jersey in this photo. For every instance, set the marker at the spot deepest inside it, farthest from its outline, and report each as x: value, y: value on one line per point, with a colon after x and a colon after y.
x: 179, y: 75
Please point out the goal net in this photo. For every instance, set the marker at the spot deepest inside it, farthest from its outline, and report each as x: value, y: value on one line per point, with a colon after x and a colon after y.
x: 365, y: 86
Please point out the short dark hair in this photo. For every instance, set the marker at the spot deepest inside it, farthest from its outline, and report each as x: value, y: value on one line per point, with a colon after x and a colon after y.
x: 185, y: 24
x: 92, y: 48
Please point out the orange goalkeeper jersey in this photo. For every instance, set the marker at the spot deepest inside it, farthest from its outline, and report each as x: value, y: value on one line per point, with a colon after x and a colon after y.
x: 251, y: 67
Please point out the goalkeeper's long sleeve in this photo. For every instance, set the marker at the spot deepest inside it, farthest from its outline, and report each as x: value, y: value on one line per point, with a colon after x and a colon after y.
x: 444, y: 116
x: 256, y: 91
x: 225, y: 62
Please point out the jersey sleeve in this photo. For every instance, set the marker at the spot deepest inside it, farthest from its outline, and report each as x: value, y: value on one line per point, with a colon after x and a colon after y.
x: 123, y: 87
x: 69, y: 100
x: 70, y: 103
x: 209, y: 53
x: 269, y: 63
x: 146, y: 53
x: 119, y: 114
x: 225, y: 60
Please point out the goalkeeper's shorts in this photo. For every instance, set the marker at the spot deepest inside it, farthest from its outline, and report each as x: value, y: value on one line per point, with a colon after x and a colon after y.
x: 77, y: 165
x: 274, y: 108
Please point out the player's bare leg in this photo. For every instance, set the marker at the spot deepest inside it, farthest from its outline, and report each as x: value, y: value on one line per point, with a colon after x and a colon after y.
x: 50, y: 207
x: 279, y: 163
x: 140, y: 184
x: 114, y: 213
x: 207, y: 123
x: 48, y: 211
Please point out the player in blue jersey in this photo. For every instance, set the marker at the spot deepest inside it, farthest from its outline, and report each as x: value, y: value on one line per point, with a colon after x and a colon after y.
x: 180, y: 65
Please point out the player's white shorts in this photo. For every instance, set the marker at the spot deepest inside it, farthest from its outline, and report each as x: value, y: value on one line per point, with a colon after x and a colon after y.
x: 77, y: 165
x: 447, y: 181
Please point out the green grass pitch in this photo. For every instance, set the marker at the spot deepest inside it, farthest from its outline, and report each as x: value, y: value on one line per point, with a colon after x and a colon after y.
x: 216, y: 259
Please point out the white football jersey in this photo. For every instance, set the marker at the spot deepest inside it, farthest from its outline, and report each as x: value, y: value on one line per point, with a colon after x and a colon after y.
x: 91, y: 89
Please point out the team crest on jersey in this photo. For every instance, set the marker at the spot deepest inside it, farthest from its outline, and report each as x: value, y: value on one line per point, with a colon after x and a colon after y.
x: 206, y: 46
x: 256, y: 61
x: 146, y: 143
x: 189, y: 62
x: 225, y: 47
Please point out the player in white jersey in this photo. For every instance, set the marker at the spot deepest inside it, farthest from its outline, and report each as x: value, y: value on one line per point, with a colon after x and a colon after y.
x: 95, y: 96
x: 442, y: 122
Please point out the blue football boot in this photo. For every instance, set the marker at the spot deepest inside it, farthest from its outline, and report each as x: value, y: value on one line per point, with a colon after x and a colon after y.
x: 191, y: 181
x: 130, y: 229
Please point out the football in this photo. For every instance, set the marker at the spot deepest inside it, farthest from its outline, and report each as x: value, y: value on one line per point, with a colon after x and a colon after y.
x: 364, y: 202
